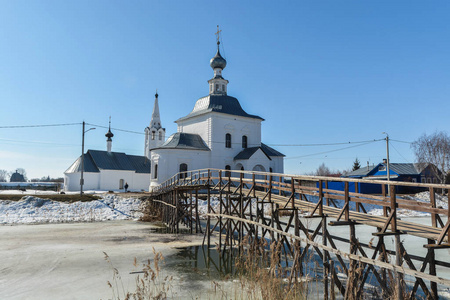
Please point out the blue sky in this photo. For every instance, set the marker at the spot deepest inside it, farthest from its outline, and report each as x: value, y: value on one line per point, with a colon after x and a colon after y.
x: 319, y: 72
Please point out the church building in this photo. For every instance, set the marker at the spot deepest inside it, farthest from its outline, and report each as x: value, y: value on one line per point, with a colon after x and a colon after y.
x: 108, y: 170
x: 217, y: 133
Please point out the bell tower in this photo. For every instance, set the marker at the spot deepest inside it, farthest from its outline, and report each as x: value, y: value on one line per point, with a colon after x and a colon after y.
x: 154, y: 133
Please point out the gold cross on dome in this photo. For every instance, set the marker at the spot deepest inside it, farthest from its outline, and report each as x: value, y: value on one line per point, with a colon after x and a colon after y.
x: 218, y: 33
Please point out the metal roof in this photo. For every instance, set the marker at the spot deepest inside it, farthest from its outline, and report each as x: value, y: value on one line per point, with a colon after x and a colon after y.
x: 248, y: 152
x: 182, y: 140
x: 361, y: 172
x: 403, y: 169
x: 399, y: 168
x: 270, y: 151
x: 95, y: 160
x: 218, y: 103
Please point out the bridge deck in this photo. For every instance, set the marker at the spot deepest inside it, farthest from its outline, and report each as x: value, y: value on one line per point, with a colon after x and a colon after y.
x: 411, y: 228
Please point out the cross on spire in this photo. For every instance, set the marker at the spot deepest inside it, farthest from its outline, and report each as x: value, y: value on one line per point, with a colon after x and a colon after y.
x: 218, y: 34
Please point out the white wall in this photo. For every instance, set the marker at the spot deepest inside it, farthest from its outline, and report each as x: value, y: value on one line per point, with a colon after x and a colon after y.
x: 169, y: 161
x: 106, y: 180
x: 72, y: 181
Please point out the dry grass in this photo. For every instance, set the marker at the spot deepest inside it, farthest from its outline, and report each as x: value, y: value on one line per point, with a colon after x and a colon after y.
x: 150, y: 285
x: 150, y: 213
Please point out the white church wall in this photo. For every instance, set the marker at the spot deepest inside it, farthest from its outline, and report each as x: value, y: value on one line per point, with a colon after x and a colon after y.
x: 140, y: 182
x: 72, y: 181
x: 237, y: 127
x: 200, y: 125
x: 169, y: 161
x: 277, y: 164
x: 110, y: 179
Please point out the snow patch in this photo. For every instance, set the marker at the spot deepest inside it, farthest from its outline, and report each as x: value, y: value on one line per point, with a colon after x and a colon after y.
x: 32, y: 210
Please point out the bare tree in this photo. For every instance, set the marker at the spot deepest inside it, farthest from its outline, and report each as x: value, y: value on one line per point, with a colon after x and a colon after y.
x: 434, y: 149
x: 4, y: 175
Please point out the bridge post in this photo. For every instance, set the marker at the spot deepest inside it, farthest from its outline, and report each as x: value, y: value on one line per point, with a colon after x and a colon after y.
x: 347, y: 201
x: 208, y: 200
x: 220, y: 210
x: 241, y: 212
x: 326, y: 258
x: 320, y: 197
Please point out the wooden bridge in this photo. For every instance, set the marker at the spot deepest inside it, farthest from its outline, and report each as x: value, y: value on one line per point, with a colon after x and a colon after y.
x: 231, y: 214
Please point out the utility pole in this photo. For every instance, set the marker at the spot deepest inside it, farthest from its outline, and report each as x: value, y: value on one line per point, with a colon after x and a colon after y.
x: 387, y: 158
x: 82, y: 158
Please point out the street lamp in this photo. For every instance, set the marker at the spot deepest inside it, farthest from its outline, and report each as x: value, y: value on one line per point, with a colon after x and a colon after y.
x: 82, y: 159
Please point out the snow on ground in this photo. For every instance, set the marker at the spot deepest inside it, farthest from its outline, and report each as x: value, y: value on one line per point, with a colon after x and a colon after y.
x: 32, y: 210
x: 441, y: 202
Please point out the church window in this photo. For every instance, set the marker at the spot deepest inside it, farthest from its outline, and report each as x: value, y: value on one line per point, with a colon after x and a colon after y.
x: 155, y: 174
x: 227, y: 172
x: 244, y: 141
x: 223, y: 87
x: 160, y: 135
x: 183, y: 170
x: 217, y: 87
x: 242, y: 168
x: 270, y: 170
x: 153, y: 135
x: 228, y: 140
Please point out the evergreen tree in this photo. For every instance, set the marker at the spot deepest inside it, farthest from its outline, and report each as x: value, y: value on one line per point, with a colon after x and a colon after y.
x: 356, y: 165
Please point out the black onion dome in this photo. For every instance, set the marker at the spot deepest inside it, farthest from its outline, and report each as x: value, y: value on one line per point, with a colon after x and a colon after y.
x: 218, y: 61
x: 109, y: 134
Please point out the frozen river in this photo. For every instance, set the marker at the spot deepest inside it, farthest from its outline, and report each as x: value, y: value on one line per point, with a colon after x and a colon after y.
x: 66, y: 261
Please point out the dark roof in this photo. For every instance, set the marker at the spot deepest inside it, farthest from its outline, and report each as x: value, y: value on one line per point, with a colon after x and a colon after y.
x: 95, y: 160
x: 182, y: 140
x: 270, y: 151
x: 17, y: 177
x: 403, y: 169
x: 218, y: 103
x: 248, y: 152
x: 399, y: 168
x: 361, y: 172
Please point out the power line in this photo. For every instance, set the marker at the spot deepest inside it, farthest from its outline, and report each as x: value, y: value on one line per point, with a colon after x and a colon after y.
x: 335, y: 150
x: 44, y: 125
x: 399, y: 153
x: 400, y: 141
x: 124, y: 130
x: 327, y: 144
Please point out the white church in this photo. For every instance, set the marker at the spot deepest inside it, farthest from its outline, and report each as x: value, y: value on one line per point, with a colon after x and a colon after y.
x: 217, y: 133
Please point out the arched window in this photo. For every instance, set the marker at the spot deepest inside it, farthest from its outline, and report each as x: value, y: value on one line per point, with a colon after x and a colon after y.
x: 227, y: 140
x: 153, y: 135
x: 155, y: 174
x: 183, y: 170
x: 244, y: 141
x: 227, y: 173
x: 160, y: 135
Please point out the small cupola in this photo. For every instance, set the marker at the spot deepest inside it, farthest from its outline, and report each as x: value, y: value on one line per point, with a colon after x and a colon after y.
x: 109, y: 135
x: 218, y: 85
